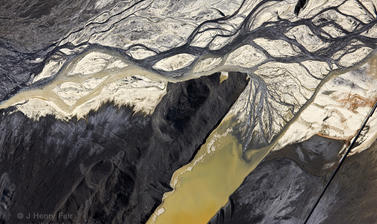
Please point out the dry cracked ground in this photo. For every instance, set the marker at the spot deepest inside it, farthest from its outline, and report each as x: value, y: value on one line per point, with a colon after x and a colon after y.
x: 188, y: 111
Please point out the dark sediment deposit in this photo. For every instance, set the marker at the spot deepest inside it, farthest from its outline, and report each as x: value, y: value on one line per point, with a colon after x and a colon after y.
x: 113, y: 166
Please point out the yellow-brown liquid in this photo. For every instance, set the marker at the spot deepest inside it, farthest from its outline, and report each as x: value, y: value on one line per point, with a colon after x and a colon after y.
x: 203, y: 186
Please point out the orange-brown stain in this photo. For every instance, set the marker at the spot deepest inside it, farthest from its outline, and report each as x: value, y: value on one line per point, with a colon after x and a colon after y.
x: 353, y: 101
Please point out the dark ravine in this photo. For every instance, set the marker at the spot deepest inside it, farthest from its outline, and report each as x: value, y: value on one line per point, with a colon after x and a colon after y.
x: 113, y: 166
x: 300, y: 5
x: 284, y: 187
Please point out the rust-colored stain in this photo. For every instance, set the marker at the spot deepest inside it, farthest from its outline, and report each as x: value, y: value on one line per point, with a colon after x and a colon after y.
x: 346, y: 139
x: 353, y: 101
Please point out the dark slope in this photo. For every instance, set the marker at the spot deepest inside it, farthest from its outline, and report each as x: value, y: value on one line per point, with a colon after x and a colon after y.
x: 33, y: 25
x: 282, y: 189
x: 352, y: 197
x: 112, y: 167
